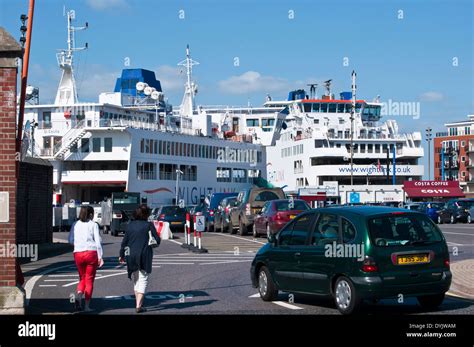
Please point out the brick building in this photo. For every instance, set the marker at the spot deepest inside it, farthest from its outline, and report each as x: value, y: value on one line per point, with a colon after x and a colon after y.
x: 12, y: 298
x: 456, y: 148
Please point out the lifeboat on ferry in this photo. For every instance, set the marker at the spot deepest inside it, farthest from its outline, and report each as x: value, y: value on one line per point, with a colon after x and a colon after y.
x: 229, y: 134
x: 67, y: 114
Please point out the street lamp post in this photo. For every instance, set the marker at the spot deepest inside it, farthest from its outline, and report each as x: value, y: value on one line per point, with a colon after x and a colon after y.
x: 428, y: 139
x: 178, y: 172
x: 352, y: 124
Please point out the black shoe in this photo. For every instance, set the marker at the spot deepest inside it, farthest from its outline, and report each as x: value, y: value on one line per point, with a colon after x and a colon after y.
x: 77, y: 306
x: 140, y: 310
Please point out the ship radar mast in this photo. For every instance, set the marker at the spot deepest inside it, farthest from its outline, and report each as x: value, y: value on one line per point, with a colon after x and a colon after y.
x: 190, y: 88
x: 67, y: 92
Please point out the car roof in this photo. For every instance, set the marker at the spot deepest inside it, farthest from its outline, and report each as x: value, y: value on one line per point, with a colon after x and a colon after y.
x: 364, y: 211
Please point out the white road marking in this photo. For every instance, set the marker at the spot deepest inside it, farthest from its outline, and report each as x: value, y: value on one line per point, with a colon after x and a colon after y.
x: 226, y: 262
x: 287, y: 305
x: 454, y: 244
x: 98, y: 278
x: 450, y: 232
x: 47, y: 285
x: 32, y: 281
x: 174, y: 241
x: 166, y: 263
x: 255, y: 295
x: 241, y: 238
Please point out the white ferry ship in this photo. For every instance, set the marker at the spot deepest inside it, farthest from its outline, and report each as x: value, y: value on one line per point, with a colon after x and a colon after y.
x: 132, y: 140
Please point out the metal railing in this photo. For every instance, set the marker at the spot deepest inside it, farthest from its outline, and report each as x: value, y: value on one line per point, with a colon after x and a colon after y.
x: 68, y: 137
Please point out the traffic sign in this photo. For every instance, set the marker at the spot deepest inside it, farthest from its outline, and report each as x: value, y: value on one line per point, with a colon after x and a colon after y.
x: 354, y: 198
x: 199, y: 225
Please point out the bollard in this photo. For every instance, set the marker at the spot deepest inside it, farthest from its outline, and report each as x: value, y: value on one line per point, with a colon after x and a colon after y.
x: 199, y: 248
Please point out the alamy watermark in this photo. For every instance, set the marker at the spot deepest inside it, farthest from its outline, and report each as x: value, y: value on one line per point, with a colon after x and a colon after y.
x: 234, y: 155
x: 338, y: 250
x: 401, y: 108
x: 12, y: 250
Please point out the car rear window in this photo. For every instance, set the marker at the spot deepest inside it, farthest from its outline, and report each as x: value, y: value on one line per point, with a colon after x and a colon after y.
x: 403, y: 230
x: 173, y: 210
x: 466, y: 203
x: 266, y: 196
x: 297, y: 206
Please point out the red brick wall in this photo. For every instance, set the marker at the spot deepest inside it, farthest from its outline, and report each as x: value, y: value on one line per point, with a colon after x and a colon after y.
x: 8, y: 92
x: 462, y: 153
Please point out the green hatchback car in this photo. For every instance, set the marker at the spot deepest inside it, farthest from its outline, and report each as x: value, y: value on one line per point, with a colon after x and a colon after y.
x: 353, y: 254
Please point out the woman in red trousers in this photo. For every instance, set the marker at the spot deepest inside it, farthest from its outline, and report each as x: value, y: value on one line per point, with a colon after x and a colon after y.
x: 85, y: 237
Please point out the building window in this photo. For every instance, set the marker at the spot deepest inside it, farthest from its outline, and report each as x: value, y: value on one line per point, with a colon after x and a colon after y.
x: 252, y: 122
x: 96, y: 143
x: 108, y: 144
x: 85, y: 145
x: 463, y: 159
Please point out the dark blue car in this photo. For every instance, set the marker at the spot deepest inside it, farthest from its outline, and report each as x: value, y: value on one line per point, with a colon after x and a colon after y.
x: 209, y: 206
x: 432, y: 209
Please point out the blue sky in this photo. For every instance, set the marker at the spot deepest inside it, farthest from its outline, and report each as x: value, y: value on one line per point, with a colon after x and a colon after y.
x: 409, y: 59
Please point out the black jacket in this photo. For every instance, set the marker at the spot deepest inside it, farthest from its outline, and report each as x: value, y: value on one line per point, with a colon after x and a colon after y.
x: 139, y: 255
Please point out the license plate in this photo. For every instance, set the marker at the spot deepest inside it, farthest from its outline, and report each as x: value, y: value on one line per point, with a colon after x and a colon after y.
x: 174, y: 223
x: 412, y: 259
x: 292, y: 216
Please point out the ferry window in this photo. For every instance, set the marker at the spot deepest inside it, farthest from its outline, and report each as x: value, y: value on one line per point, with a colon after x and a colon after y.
x: 160, y: 149
x: 358, y: 107
x: 46, y: 120
x: 316, y: 121
x: 332, y: 108
x: 268, y: 122
x: 347, y: 108
x: 168, y: 147
x: 252, y: 122
x: 324, y: 107
x: 96, y: 142
x: 171, y: 144
x: 369, y: 148
x: 85, y: 145
x: 74, y: 148
x: 155, y: 147
x: 176, y: 148
x: 340, y: 108
x: 377, y: 148
x: 307, y: 107
x: 108, y: 144
x: 316, y: 107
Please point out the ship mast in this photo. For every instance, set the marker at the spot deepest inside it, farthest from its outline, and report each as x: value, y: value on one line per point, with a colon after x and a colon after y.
x: 190, y: 88
x: 67, y: 92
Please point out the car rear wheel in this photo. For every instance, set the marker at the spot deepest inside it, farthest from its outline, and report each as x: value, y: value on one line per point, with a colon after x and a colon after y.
x: 469, y: 219
x: 430, y: 301
x: 269, y: 232
x: 345, y: 296
x: 452, y: 219
x: 231, y: 227
x: 242, y: 228
x: 440, y: 220
x: 266, y: 287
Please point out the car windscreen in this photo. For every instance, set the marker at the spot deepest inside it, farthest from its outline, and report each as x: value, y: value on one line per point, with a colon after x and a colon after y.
x: 172, y: 210
x: 216, y: 199
x: 266, y: 196
x: 436, y: 205
x: 125, y: 200
x: 297, y: 206
x: 402, y: 230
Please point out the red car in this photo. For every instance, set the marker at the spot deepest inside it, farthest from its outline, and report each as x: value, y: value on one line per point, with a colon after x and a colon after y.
x: 275, y: 214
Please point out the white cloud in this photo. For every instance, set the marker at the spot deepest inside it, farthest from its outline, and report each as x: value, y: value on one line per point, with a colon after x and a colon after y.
x: 431, y: 96
x: 251, y: 82
x: 100, y: 5
x: 171, y: 78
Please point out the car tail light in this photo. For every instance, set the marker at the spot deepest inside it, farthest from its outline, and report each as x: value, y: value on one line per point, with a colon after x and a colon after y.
x: 397, y: 213
x: 117, y: 215
x: 446, y: 263
x: 211, y: 213
x: 369, y: 265
x: 226, y: 209
x: 247, y: 209
x: 162, y: 216
x: 278, y: 216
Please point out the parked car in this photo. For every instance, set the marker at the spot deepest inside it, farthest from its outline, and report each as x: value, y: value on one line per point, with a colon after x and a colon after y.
x: 414, y: 206
x: 208, y: 207
x: 470, y: 217
x: 275, y: 214
x: 432, y: 209
x: 356, y: 253
x: 456, y: 210
x: 249, y: 202
x: 172, y: 214
x: 222, y: 214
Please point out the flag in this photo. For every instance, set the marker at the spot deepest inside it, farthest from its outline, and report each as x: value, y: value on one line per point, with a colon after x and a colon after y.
x: 379, y: 168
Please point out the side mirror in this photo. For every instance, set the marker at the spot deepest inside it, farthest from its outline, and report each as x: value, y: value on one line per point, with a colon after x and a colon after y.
x: 272, y: 239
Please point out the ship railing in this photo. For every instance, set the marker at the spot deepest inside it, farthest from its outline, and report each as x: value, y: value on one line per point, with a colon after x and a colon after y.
x: 68, y: 137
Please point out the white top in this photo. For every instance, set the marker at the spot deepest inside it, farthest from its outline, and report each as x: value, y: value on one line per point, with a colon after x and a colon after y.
x: 85, y: 237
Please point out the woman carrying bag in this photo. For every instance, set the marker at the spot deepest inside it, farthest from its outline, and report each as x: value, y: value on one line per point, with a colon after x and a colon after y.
x: 137, y: 251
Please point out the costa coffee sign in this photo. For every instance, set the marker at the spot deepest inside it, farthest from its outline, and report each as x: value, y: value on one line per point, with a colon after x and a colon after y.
x: 433, y: 188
